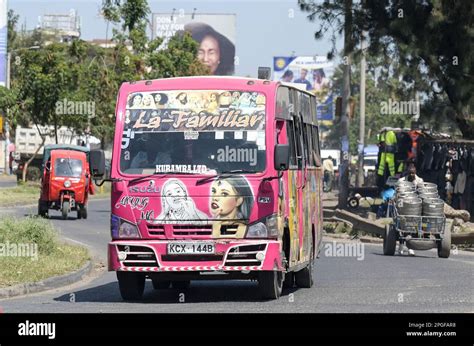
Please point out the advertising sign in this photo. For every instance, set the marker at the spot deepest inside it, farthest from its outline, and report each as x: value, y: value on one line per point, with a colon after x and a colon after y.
x: 315, y: 72
x: 215, y: 34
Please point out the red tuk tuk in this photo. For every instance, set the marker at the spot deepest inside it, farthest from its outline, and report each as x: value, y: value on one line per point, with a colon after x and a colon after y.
x: 66, y: 180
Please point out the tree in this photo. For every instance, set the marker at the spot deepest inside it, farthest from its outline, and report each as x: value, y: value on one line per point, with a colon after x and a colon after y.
x: 427, y: 45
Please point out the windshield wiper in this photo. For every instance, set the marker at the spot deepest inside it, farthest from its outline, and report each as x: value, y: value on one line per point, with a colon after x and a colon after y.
x: 223, y: 175
x: 158, y: 173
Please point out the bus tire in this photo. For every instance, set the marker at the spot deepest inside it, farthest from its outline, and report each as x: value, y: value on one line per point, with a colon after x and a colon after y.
x: 270, y: 284
x: 181, y: 285
x: 289, y: 281
x: 444, y: 245
x: 389, y: 241
x: 131, y: 285
x: 160, y: 284
x: 304, y: 277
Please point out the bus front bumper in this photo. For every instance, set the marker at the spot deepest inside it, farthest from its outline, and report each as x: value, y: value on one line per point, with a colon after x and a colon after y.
x: 228, y: 256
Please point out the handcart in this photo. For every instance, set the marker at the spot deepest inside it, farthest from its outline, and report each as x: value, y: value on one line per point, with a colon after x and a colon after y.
x: 417, y: 232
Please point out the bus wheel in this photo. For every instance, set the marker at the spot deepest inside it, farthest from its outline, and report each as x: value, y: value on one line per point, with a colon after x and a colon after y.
x: 160, y: 285
x: 304, y: 278
x: 181, y: 285
x: 289, y: 281
x: 131, y: 285
x: 270, y: 284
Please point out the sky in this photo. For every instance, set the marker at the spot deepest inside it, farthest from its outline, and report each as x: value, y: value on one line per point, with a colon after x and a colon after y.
x: 265, y: 28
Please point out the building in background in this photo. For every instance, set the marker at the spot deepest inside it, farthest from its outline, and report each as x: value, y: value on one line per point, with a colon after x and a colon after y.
x: 215, y: 33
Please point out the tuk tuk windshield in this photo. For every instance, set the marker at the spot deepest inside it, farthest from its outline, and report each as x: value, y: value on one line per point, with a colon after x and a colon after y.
x: 66, y: 167
x: 194, y: 132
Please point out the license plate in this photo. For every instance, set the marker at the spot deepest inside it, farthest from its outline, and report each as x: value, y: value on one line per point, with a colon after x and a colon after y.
x: 178, y: 248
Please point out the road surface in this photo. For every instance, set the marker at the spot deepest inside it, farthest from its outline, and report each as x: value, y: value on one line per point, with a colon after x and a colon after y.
x: 343, y: 283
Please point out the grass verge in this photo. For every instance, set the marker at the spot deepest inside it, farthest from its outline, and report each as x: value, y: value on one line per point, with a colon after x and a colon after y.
x: 30, y: 250
x: 25, y: 194
x: 20, y: 195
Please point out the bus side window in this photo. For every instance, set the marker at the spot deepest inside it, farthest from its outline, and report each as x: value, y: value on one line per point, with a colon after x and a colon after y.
x: 310, y: 145
x: 290, y: 130
x: 299, y: 143
x: 306, y: 145
x: 316, y: 151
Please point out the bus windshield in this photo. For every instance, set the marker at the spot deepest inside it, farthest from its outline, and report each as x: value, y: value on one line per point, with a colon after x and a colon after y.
x: 193, y: 131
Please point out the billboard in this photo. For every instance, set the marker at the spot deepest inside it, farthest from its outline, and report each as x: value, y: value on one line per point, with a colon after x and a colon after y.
x: 3, y: 42
x: 315, y: 73
x: 215, y: 33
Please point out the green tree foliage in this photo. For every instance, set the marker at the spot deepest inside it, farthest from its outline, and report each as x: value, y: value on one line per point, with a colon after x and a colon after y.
x: 425, y: 44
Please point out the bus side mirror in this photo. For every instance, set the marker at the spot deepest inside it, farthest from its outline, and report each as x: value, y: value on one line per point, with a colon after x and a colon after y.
x: 282, y: 157
x: 97, y: 163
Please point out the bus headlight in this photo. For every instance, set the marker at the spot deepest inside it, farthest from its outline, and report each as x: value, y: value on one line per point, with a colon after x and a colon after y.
x: 128, y: 230
x: 265, y: 228
x: 120, y: 228
x: 67, y: 184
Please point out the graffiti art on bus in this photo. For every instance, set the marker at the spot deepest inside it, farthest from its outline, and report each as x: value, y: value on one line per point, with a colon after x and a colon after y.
x: 177, y: 206
x: 231, y: 198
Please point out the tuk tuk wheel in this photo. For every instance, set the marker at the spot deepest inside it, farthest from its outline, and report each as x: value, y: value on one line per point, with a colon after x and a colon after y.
x: 389, y: 240
x: 444, y: 245
x: 65, y: 209
x: 42, y: 208
x: 83, y: 212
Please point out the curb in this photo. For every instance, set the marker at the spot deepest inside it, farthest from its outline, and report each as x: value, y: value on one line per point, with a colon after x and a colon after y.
x: 46, y: 284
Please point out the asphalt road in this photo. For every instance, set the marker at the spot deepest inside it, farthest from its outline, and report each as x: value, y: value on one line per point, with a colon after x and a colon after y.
x: 364, y: 283
x: 8, y: 181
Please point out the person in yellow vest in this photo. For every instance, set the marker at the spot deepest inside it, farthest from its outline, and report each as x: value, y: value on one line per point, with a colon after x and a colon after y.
x: 388, y: 145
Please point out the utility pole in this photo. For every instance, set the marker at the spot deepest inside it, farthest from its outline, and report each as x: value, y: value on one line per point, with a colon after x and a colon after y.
x: 346, y: 94
x: 7, y: 130
x: 360, y: 170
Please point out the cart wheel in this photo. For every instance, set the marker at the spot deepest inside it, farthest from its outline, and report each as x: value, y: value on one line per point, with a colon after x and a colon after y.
x: 65, y: 209
x: 444, y: 245
x: 389, y: 241
x: 353, y: 203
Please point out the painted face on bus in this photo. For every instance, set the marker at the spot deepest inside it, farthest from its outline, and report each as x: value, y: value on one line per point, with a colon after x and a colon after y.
x: 175, y: 195
x: 209, y: 53
x: 147, y: 100
x: 137, y: 100
x: 225, y: 201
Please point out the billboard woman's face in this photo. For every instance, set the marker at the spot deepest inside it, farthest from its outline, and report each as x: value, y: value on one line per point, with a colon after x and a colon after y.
x: 209, y: 53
